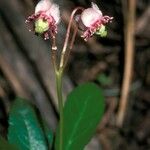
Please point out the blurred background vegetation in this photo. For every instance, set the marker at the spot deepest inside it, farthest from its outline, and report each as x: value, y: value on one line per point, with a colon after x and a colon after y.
x: 26, y: 70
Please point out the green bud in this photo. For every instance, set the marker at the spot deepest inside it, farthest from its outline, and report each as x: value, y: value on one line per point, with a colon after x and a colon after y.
x: 41, y: 26
x: 101, y: 31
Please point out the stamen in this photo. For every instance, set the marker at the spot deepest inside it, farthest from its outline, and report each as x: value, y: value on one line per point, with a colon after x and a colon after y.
x: 52, y: 31
x: 46, y: 36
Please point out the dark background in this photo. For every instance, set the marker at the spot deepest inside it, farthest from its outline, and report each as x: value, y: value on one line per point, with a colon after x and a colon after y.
x: 26, y: 69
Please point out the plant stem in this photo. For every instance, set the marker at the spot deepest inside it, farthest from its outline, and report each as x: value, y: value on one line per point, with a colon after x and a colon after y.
x: 54, y: 54
x: 63, y: 54
x: 59, y: 75
x: 59, y: 70
x: 130, y: 10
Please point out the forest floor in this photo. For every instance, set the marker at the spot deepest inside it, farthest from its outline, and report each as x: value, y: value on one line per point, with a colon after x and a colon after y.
x: 26, y: 71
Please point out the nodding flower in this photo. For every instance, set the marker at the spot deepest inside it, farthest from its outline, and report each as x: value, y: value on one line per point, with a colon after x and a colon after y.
x: 92, y: 21
x: 45, y: 19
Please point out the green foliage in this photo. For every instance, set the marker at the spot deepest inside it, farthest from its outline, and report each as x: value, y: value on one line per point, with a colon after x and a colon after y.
x: 104, y: 80
x: 48, y: 134
x: 4, y: 145
x: 24, y: 128
x: 82, y: 112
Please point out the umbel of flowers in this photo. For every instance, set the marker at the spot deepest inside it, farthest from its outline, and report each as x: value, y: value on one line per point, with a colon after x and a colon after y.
x: 47, y: 16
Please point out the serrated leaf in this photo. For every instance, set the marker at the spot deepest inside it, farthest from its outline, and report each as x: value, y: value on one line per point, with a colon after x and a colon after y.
x: 82, y: 112
x: 24, y: 128
x: 4, y: 145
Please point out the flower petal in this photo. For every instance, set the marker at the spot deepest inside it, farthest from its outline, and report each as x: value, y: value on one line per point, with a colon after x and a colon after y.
x: 95, y: 7
x: 90, y: 16
x: 43, y: 5
x: 54, y: 12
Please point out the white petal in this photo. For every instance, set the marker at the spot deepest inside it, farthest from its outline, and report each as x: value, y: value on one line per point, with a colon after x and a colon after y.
x: 43, y: 5
x: 54, y: 12
x: 90, y: 16
x: 95, y: 7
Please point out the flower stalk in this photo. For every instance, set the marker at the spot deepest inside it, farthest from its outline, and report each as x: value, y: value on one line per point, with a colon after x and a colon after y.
x: 59, y: 75
x: 59, y: 71
x: 65, y: 51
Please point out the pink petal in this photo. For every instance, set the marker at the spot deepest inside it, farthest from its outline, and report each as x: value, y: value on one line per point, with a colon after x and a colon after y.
x: 90, y: 16
x: 43, y: 5
x: 95, y: 7
x: 54, y: 12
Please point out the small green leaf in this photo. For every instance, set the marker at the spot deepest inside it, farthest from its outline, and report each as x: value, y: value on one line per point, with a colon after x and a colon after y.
x: 24, y: 128
x: 4, y: 145
x: 104, y: 80
x: 82, y: 112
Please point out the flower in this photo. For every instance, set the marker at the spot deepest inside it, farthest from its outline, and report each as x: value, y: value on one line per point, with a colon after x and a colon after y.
x: 45, y: 18
x: 94, y: 22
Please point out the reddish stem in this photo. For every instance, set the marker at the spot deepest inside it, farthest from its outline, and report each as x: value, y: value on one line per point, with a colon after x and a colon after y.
x: 64, y: 51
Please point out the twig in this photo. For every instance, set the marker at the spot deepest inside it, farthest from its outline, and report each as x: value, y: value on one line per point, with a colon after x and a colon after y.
x: 11, y: 76
x: 105, y: 142
x: 4, y: 98
x: 129, y: 55
x: 108, y: 114
x: 143, y: 21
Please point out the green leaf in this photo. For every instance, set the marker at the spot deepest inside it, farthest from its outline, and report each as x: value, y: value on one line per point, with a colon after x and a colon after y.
x: 82, y: 112
x: 4, y: 145
x: 24, y: 128
x: 48, y: 134
x: 104, y: 80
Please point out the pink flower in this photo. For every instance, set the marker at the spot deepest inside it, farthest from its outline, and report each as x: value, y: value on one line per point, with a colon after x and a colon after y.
x: 45, y: 18
x: 94, y: 22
